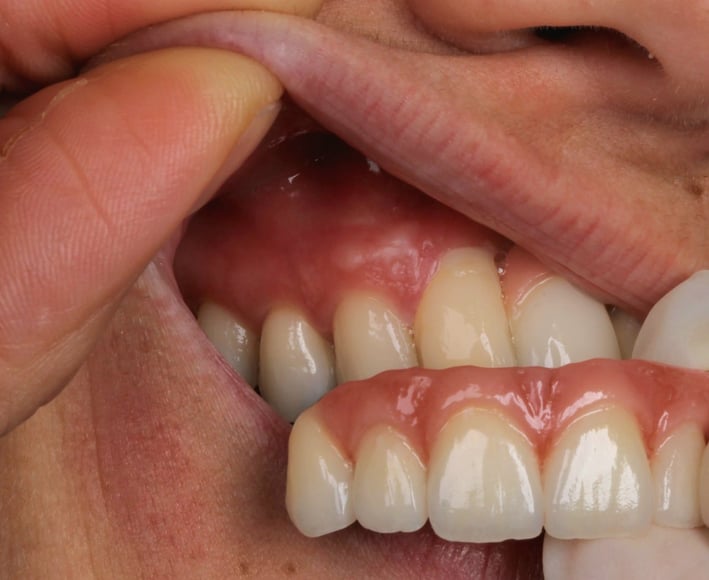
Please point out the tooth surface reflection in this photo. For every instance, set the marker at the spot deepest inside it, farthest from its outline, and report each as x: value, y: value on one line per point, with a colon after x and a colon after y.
x: 597, y: 480
x: 483, y: 483
x: 675, y: 468
x: 556, y: 324
x: 370, y: 338
x: 389, y: 490
x: 461, y: 318
x: 297, y: 364
x: 319, y: 480
x: 676, y: 331
x: 235, y: 342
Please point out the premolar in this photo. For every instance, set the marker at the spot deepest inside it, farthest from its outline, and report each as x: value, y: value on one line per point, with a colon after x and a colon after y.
x: 484, y: 483
x: 461, y: 318
x: 597, y: 480
x: 296, y: 363
x: 370, y: 338
x: 235, y: 342
x: 319, y: 480
x: 389, y: 491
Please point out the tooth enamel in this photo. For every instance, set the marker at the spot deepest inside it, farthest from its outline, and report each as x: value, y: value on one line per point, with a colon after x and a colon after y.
x: 234, y: 341
x: 389, y: 490
x: 675, y: 468
x: 557, y: 324
x: 704, y: 486
x: 626, y: 328
x: 483, y: 482
x: 597, y: 480
x: 297, y: 365
x: 370, y: 338
x: 676, y: 331
x: 461, y: 318
x: 319, y: 480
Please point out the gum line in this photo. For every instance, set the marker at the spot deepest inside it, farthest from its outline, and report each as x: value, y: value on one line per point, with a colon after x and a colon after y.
x: 540, y: 403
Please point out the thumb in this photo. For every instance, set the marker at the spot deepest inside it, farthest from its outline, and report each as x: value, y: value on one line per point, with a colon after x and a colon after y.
x: 95, y: 175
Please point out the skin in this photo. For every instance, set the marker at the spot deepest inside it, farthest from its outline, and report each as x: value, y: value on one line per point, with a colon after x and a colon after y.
x: 140, y: 464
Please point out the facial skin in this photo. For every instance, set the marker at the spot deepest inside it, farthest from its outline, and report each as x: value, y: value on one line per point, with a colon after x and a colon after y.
x: 147, y: 462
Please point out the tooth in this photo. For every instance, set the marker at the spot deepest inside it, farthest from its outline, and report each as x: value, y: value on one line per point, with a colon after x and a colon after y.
x: 461, y: 318
x: 597, y: 480
x: 297, y: 365
x: 319, y: 480
x: 370, y: 338
x: 704, y: 486
x: 483, y: 483
x: 389, y: 490
x: 676, y: 332
x: 557, y: 324
x: 675, y: 469
x: 234, y: 341
x: 626, y: 328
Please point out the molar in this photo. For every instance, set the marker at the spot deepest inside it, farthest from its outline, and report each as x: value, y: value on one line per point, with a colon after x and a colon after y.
x: 597, y: 480
x: 555, y: 324
x: 389, y: 490
x: 676, y: 331
x: 461, y: 318
x: 234, y: 340
x: 484, y: 483
x: 297, y: 364
x: 319, y: 480
x: 370, y: 338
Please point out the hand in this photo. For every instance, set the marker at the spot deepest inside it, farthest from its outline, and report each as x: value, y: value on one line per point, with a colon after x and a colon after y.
x: 98, y: 171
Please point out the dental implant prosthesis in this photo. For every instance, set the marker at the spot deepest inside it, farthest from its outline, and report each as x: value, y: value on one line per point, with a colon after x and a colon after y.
x: 436, y: 372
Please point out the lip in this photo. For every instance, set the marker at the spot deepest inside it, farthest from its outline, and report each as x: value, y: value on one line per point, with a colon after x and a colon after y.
x: 375, y: 101
x: 471, y: 159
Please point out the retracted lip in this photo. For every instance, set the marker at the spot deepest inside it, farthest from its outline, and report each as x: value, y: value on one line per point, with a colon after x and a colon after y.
x: 379, y: 100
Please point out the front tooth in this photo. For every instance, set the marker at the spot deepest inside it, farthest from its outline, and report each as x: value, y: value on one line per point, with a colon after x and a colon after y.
x: 597, y: 480
x: 676, y: 331
x: 234, y: 341
x: 704, y: 486
x: 389, y: 490
x: 675, y: 469
x: 484, y: 483
x: 370, y: 338
x: 626, y: 328
x: 557, y: 324
x: 461, y: 318
x: 319, y: 480
x: 297, y: 364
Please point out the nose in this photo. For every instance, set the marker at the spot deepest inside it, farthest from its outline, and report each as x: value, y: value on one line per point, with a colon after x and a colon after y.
x: 675, y: 33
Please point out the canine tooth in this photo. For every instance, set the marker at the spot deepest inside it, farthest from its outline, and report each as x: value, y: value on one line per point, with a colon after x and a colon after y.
x: 557, y: 324
x: 319, y: 480
x: 297, y: 365
x: 675, y: 469
x: 461, y: 318
x: 597, y: 480
x: 626, y: 328
x: 676, y: 331
x: 370, y: 338
x: 389, y: 490
x: 483, y: 483
x: 234, y: 341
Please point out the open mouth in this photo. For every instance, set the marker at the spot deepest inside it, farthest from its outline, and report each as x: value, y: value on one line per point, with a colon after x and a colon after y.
x: 409, y: 334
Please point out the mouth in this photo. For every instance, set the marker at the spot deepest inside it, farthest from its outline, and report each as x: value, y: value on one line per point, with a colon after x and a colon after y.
x: 335, y: 271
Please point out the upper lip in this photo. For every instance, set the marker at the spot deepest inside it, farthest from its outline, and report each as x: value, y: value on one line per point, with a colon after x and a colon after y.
x: 376, y: 100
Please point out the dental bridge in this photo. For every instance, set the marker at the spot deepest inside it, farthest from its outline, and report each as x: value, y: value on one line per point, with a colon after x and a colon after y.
x: 434, y: 371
